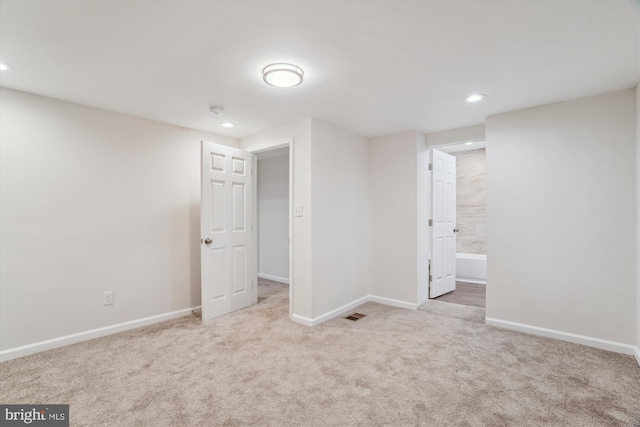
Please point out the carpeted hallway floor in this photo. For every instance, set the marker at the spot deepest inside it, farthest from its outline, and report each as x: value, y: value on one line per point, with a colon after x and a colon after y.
x: 441, y: 366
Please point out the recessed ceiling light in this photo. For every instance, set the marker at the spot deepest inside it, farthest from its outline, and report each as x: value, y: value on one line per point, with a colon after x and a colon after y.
x: 4, y: 66
x: 476, y: 97
x: 227, y: 124
x: 468, y: 143
x: 282, y: 75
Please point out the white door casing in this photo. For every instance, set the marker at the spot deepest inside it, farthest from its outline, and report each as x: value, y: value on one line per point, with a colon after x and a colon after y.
x: 226, y: 224
x: 443, y: 231
x: 274, y: 145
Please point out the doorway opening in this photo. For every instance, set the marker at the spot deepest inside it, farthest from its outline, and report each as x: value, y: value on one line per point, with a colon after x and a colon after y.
x: 469, y: 225
x: 229, y: 229
x: 273, y: 211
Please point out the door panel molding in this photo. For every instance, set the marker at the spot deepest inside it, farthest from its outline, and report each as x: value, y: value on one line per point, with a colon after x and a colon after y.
x: 228, y: 273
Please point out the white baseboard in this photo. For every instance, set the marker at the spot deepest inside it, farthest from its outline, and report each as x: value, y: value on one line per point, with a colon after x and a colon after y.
x: 636, y: 353
x: 477, y: 281
x: 340, y: 310
x: 350, y: 306
x: 305, y: 321
x: 274, y: 278
x: 565, y: 336
x: 393, y: 302
x: 329, y: 315
x: 38, y: 347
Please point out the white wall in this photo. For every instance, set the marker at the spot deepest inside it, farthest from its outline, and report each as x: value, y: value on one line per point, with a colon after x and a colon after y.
x: 454, y: 136
x: 422, y: 218
x: 399, y: 265
x: 561, y: 217
x: 638, y: 210
x: 299, y: 134
x: 93, y: 201
x: 638, y: 222
x: 331, y: 168
x: 273, y: 217
x: 340, y: 198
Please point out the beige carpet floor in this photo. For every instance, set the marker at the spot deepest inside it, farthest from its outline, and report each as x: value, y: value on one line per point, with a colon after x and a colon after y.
x: 440, y: 366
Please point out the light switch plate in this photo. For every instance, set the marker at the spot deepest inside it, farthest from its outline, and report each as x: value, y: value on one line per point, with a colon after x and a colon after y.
x: 297, y: 210
x: 107, y: 298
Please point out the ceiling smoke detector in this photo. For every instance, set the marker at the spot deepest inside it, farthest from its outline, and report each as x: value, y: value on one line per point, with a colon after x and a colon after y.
x: 216, y: 110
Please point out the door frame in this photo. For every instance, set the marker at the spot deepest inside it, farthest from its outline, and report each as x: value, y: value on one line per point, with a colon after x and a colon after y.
x: 274, y: 145
x: 430, y: 195
x: 432, y: 225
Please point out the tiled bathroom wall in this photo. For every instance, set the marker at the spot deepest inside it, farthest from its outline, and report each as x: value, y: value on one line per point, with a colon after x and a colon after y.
x: 471, y: 199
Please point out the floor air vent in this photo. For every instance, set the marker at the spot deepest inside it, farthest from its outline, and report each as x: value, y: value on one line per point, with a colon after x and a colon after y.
x: 355, y: 316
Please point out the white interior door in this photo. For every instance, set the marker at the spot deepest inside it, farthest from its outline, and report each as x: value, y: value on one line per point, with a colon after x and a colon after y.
x: 226, y: 224
x: 443, y: 231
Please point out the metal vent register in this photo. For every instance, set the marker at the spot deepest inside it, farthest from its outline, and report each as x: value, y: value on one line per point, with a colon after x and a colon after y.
x: 355, y: 316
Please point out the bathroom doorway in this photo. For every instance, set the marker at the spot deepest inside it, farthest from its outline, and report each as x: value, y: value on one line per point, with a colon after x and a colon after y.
x: 470, y: 223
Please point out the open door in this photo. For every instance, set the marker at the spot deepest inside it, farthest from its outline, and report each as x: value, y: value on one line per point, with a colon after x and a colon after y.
x: 226, y: 226
x: 443, y: 238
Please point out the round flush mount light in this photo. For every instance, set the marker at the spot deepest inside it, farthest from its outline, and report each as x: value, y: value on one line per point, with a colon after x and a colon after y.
x: 468, y: 143
x: 282, y: 75
x: 476, y: 97
x: 5, y: 67
x: 227, y: 124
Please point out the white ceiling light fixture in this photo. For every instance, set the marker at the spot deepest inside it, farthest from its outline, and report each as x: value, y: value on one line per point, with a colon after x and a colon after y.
x: 227, y: 124
x: 282, y: 75
x: 468, y: 143
x: 476, y: 97
x: 5, y: 67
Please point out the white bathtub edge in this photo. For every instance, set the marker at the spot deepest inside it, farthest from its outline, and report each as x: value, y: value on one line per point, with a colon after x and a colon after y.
x: 465, y: 255
x: 471, y: 268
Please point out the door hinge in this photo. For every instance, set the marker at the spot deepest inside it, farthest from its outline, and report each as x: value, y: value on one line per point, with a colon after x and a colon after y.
x: 430, y: 223
x: 430, y: 166
x: 430, y: 278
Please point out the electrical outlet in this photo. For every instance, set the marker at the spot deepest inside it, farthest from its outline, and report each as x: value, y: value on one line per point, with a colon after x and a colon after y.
x: 297, y: 210
x: 108, y: 298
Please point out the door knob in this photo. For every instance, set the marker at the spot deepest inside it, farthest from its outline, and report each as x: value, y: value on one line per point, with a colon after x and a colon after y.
x: 455, y: 230
x: 208, y: 241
